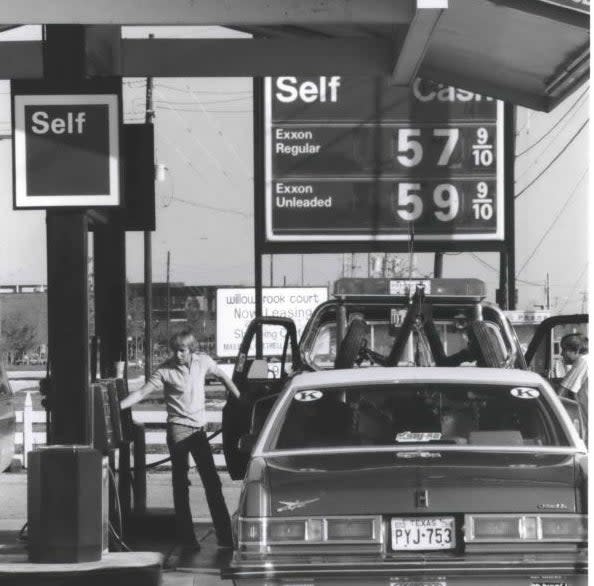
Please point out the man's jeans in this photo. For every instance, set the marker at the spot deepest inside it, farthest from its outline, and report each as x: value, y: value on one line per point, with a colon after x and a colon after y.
x: 183, y: 440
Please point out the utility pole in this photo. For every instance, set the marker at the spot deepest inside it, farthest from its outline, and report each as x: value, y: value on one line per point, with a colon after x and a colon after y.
x: 584, y: 307
x: 548, y: 292
x: 168, y: 293
x: 352, y: 264
x: 148, y: 258
x: 272, y: 270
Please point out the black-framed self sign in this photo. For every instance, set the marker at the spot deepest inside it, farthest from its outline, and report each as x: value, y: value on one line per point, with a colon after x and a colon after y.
x: 66, y: 150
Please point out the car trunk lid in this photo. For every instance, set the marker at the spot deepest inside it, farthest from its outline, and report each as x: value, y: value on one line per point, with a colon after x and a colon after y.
x: 420, y: 482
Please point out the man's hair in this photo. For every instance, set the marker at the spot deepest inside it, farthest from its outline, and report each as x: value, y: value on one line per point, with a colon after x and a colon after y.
x: 185, y: 336
x: 575, y: 343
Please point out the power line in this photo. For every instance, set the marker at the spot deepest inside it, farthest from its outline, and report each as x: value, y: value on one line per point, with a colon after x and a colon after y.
x: 216, y: 209
x: 548, y: 230
x: 491, y: 267
x: 218, y: 130
x: 553, y: 161
x: 206, y: 151
x: 555, y: 126
x: 575, y: 286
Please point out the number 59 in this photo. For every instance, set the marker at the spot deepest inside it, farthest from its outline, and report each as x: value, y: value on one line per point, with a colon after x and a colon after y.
x: 409, y: 206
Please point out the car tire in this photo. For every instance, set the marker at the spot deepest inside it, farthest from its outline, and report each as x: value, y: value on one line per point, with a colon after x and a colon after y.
x: 489, y: 353
x: 349, y: 348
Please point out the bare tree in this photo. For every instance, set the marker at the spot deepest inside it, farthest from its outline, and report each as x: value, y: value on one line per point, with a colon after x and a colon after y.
x: 19, y: 336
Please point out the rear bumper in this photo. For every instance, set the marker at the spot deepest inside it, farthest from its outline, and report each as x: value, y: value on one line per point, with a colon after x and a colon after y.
x: 519, y: 571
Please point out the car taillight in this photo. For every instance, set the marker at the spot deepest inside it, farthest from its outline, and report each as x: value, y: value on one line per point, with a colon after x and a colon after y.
x: 266, y: 531
x: 350, y: 529
x: 286, y: 531
x: 564, y: 527
x: 522, y: 528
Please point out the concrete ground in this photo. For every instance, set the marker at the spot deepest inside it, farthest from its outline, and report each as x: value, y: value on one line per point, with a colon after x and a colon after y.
x: 201, y: 568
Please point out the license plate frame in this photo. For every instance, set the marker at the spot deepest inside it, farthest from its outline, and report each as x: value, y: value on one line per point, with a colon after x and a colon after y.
x: 423, y: 535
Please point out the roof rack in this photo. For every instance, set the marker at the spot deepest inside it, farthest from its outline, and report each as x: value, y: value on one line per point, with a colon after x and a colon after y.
x: 433, y: 288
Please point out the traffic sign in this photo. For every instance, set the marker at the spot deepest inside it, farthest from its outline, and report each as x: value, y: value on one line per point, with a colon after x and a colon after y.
x: 348, y: 161
x: 66, y: 151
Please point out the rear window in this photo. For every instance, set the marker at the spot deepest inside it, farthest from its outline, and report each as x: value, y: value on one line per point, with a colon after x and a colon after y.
x: 418, y: 414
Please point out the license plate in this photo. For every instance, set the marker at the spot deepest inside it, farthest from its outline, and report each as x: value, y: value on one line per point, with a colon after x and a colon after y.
x: 423, y: 533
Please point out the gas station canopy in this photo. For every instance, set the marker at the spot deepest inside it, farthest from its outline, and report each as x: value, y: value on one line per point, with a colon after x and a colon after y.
x: 528, y: 52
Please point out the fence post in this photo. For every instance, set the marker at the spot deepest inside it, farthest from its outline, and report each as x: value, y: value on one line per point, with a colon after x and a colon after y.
x: 27, y: 427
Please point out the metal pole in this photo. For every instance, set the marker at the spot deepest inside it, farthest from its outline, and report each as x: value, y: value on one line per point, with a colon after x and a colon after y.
x: 548, y: 292
x: 509, y: 139
x: 148, y: 259
x: 168, y: 294
x: 258, y: 99
x: 438, y: 265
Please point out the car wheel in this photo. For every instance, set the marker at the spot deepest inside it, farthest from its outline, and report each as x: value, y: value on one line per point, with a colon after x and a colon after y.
x: 351, y: 345
x: 235, y: 424
x: 490, y: 354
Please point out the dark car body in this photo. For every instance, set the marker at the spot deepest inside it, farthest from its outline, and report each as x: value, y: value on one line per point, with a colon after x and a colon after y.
x: 7, y: 421
x: 414, y: 476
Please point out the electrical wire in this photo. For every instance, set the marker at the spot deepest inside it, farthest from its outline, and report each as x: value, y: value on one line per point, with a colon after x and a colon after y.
x: 557, y: 216
x: 491, y: 267
x: 205, y: 150
x: 190, y: 164
x: 569, y: 143
x: 218, y: 130
x: 226, y: 93
x: 573, y: 289
x: 216, y: 209
x: 574, y: 105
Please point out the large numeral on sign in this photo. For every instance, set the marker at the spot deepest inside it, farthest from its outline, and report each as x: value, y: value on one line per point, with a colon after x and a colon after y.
x: 446, y: 197
x: 452, y: 135
x: 407, y: 144
x: 407, y: 199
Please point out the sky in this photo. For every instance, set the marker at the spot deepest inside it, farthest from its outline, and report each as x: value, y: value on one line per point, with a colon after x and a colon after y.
x: 204, y: 133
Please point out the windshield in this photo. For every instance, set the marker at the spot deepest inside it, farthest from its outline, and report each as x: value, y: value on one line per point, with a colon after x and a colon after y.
x: 418, y: 414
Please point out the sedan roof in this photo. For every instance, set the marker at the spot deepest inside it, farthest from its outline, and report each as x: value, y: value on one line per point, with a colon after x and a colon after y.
x: 361, y: 376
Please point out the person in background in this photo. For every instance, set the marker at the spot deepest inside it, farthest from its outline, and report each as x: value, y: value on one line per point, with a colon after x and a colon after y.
x: 182, y: 378
x: 574, y: 350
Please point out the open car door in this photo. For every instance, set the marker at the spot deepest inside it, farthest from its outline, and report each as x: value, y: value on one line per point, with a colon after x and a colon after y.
x: 543, y: 354
x: 257, y: 377
x: 544, y: 357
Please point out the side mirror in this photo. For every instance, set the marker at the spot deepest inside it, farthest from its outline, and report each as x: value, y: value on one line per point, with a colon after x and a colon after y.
x: 247, y: 443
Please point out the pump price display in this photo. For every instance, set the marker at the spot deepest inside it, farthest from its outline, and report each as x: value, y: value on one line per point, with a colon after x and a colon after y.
x: 354, y: 160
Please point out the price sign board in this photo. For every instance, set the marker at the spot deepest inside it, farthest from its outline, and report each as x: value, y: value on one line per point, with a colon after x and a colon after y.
x: 350, y: 160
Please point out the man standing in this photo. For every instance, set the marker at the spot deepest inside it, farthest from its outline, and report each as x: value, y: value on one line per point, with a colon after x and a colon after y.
x: 574, y: 384
x: 182, y: 378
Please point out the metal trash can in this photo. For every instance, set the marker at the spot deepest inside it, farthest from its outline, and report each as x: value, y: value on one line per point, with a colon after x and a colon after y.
x: 67, y: 510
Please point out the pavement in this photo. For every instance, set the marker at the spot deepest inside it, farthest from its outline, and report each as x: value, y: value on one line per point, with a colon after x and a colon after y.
x: 183, y: 570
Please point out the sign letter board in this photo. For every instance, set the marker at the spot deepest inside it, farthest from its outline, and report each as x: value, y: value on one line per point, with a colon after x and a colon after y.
x: 355, y: 160
x: 66, y: 151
